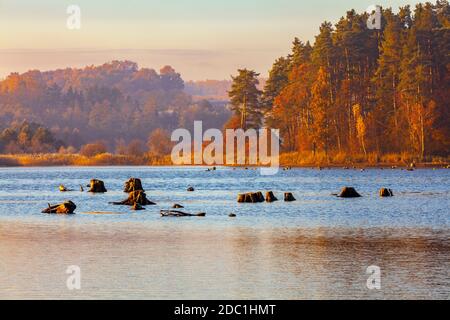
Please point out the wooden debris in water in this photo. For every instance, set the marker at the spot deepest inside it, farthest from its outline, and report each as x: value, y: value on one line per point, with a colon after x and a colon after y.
x: 176, y: 213
x: 68, y: 207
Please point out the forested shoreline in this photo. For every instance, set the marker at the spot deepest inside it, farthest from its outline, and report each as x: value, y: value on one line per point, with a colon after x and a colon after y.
x: 359, y: 92
x: 355, y: 96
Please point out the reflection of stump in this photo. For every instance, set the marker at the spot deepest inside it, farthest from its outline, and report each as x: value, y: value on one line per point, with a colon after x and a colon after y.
x: 67, y: 207
x: 288, y: 197
x: 133, y: 184
x: 349, y: 192
x: 385, y: 192
x: 138, y: 197
x: 270, y: 197
x: 97, y: 186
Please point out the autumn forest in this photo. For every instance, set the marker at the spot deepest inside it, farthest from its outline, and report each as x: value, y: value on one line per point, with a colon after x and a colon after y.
x: 354, y: 94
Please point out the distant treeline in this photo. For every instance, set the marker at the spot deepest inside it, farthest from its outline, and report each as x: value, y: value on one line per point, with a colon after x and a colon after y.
x: 116, y: 103
x: 28, y: 138
x: 358, y: 91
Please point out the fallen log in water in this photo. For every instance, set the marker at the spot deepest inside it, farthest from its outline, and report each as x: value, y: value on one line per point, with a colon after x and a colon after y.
x: 67, y: 207
x: 138, y: 197
x: 176, y: 213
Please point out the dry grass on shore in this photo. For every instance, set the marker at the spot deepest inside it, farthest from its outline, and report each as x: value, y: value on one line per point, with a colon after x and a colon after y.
x: 286, y: 159
x: 105, y: 159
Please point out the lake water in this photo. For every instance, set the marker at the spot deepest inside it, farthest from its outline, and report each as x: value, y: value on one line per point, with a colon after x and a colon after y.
x: 317, y: 247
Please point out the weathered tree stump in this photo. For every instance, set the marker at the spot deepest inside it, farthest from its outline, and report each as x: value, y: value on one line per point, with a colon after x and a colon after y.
x: 133, y: 184
x: 67, y: 207
x: 138, y: 197
x: 97, y: 186
x: 62, y: 188
x: 289, y: 197
x: 251, y: 197
x: 175, y: 213
x: 385, y: 192
x: 81, y: 188
x: 349, y: 192
x: 270, y: 197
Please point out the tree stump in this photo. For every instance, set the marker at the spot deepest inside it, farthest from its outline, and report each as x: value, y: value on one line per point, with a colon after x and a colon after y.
x: 270, y: 197
x: 138, y: 197
x: 97, y: 186
x: 133, y: 184
x: 190, y: 189
x: 349, y: 192
x: 67, y: 207
x: 385, y: 192
x: 289, y: 197
x: 251, y: 197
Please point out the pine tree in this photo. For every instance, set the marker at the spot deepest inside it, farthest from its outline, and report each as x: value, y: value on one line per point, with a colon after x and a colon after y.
x: 320, y: 107
x: 245, y: 98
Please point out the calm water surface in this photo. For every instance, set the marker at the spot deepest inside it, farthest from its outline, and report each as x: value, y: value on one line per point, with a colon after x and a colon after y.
x: 316, y: 247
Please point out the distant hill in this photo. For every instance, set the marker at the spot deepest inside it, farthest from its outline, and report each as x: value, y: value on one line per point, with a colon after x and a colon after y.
x: 114, y: 102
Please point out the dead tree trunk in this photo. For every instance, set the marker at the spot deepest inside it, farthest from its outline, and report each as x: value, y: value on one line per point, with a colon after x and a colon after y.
x: 133, y: 184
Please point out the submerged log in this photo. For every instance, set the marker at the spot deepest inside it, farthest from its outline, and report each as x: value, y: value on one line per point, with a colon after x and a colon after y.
x: 349, y: 192
x: 385, y: 192
x: 97, y: 186
x: 270, y: 197
x: 67, y: 207
x: 177, y: 206
x: 289, y: 197
x: 134, y: 197
x: 133, y: 184
x: 232, y: 215
x: 176, y: 213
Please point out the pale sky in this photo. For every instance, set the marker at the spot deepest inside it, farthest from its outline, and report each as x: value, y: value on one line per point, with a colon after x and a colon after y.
x: 201, y: 39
